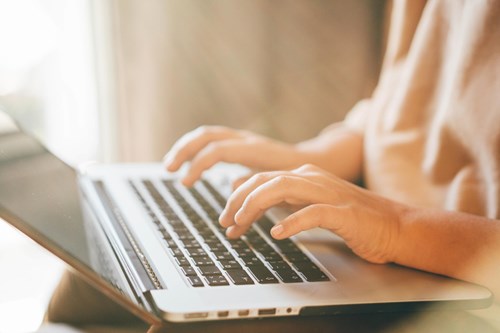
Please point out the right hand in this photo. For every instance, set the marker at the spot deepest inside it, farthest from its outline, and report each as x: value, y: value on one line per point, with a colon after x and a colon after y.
x: 207, y: 145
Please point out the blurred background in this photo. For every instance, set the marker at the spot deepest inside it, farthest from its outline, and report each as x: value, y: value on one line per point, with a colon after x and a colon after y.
x: 120, y: 80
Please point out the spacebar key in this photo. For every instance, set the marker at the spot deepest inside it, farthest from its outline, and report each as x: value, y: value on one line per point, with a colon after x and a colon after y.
x: 262, y: 274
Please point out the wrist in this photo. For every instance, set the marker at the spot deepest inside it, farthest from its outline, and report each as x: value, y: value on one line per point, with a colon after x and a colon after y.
x: 338, y: 151
x: 404, y: 247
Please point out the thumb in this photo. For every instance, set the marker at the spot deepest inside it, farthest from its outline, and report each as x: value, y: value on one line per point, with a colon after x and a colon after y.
x: 319, y: 215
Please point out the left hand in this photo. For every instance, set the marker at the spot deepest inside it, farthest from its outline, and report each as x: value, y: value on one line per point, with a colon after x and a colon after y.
x: 368, y: 223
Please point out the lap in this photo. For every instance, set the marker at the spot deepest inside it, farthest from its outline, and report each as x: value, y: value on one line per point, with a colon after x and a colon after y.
x: 85, y: 309
x: 77, y: 303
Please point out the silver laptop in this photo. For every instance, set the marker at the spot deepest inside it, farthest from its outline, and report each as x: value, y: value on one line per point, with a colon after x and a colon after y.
x: 156, y: 247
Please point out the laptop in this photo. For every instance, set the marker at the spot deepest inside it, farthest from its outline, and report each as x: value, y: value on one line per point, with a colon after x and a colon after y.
x: 156, y: 248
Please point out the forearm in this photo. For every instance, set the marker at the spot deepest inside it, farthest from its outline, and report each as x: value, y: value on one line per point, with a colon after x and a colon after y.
x: 458, y: 245
x: 338, y: 150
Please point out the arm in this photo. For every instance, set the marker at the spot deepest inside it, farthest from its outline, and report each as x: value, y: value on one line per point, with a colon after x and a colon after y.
x: 377, y: 229
x: 459, y: 245
x: 338, y: 150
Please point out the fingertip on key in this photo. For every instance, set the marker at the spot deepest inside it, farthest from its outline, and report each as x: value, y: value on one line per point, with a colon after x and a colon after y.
x: 277, y: 231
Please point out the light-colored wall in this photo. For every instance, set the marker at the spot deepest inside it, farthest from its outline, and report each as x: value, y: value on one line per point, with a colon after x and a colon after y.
x: 283, y: 68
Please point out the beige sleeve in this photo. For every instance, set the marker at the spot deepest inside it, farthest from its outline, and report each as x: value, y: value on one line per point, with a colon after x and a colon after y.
x: 354, y: 120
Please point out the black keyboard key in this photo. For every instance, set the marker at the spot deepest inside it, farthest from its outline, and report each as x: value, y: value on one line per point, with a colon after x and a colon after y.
x: 315, y: 276
x: 217, y: 196
x: 209, y: 237
x: 238, y: 243
x: 207, y: 234
x: 271, y: 256
x: 262, y: 274
x: 203, y: 261
x: 203, y: 229
x: 176, y: 252
x: 209, y: 270
x: 217, y: 247
x: 192, y: 244
x: 188, y: 271
x: 179, y: 228
x: 230, y: 264
x: 266, y: 224
x: 279, y: 264
x: 225, y: 255
x: 251, y: 261
x: 265, y: 249
x: 186, y: 207
x: 311, y: 272
x: 176, y: 223
x: 195, y: 281
x: 216, y: 280
x: 243, y: 252
x: 297, y: 257
x: 196, y: 252
x: 239, y: 276
x: 185, y: 236
x: 182, y: 261
x: 211, y: 212
x: 256, y: 242
x: 171, y: 243
x: 287, y: 246
x: 287, y: 275
x: 305, y: 266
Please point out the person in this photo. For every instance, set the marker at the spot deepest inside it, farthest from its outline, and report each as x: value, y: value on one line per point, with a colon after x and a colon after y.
x: 426, y: 146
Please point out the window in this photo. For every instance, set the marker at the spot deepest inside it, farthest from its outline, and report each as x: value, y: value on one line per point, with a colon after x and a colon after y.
x: 47, y: 80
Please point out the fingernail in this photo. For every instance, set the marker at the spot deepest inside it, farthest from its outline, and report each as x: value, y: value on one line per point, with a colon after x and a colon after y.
x: 167, y: 159
x: 277, y: 230
x: 222, y: 217
x: 237, y: 217
x: 187, y: 182
x: 230, y: 233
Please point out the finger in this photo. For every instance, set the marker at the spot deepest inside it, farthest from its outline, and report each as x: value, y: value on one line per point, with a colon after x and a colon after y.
x: 240, y: 181
x: 288, y: 189
x: 333, y: 218
x: 231, y: 151
x: 235, y: 231
x: 189, y: 144
x: 237, y: 198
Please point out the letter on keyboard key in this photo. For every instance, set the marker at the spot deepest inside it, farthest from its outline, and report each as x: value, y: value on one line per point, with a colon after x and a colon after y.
x: 188, y: 270
x: 262, y: 274
x: 182, y: 261
x: 251, y: 260
x: 230, y: 264
x: 287, y: 275
x: 216, y: 280
x: 239, y: 276
x: 203, y: 261
x: 311, y: 272
x: 196, y: 252
x: 195, y: 281
x: 209, y: 270
x: 225, y: 255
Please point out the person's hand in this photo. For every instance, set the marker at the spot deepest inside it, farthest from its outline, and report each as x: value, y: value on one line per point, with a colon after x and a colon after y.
x: 208, y: 145
x: 368, y: 223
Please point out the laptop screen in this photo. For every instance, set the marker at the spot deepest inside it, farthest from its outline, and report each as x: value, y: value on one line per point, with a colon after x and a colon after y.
x: 39, y: 195
x: 40, y: 191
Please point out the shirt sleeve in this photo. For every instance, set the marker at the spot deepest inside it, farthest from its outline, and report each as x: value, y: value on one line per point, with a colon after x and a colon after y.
x: 356, y: 118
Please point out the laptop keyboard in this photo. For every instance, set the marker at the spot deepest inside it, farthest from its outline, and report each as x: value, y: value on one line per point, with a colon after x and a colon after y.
x: 198, y: 246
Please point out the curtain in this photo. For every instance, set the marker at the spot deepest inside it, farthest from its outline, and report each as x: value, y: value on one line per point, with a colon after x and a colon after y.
x: 283, y: 68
